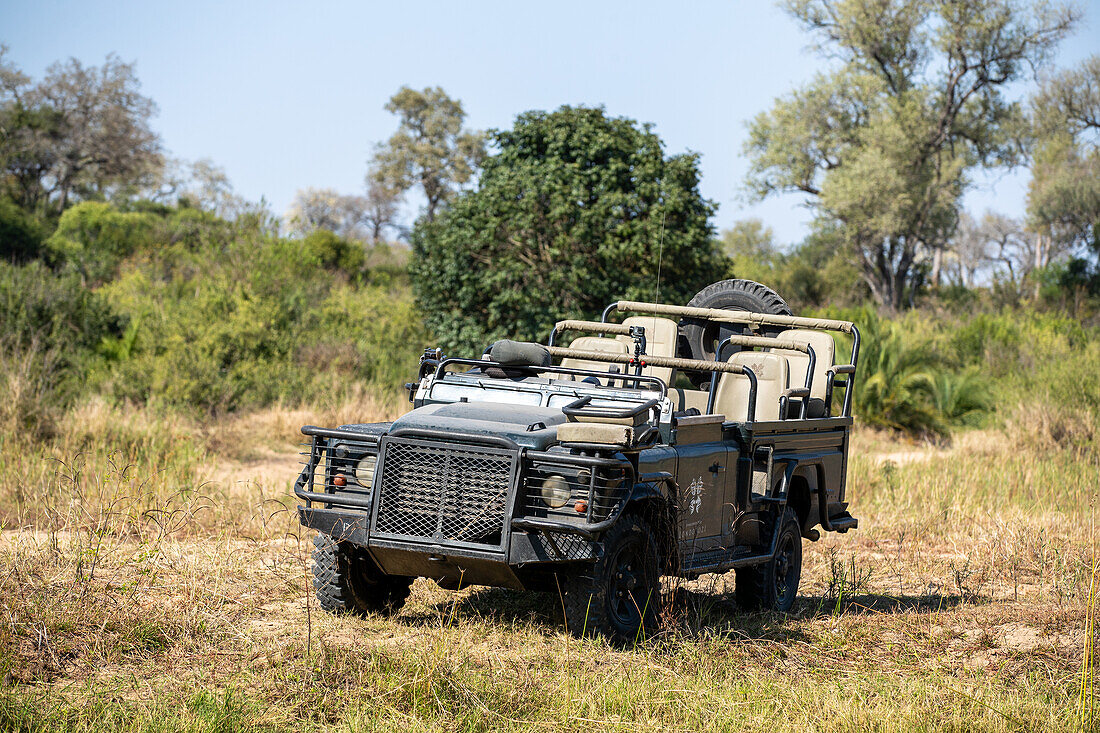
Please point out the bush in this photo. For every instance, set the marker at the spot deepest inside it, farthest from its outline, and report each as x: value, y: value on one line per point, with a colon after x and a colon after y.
x: 334, y: 252
x: 20, y: 233
x: 92, y: 238
x: 574, y: 210
x: 52, y: 328
x: 911, y: 378
x: 255, y: 321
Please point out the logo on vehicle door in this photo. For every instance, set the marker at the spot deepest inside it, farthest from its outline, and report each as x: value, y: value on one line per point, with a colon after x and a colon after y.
x: 695, y: 495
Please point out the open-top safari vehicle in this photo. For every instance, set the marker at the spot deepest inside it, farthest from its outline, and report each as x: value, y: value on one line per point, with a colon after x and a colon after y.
x: 594, y: 476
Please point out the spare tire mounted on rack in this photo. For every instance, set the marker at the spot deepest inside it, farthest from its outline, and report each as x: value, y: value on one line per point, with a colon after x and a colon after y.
x: 700, y: 339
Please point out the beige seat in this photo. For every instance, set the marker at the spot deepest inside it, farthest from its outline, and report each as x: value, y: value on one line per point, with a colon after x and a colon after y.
x: 595, y: 343
x: 798, y: 362
x: 660, y: 340
x: 732, y: 397
x: 685, y: 399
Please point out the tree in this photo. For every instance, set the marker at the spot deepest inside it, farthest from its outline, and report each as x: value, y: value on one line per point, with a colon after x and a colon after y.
x: 76, y: 133
x: 967, y: 253
x: 314, y: 209
x: 812, y: 274
x: 210, y: 189
x: 882, y: 144
x: 430, y: 149
x: 750, y: 239
x: 752, y: 251
x: 996, y: 245
x: 26, y: 136
x: 379, y: 206
x: 1064, y: 194
x: 575, y: 209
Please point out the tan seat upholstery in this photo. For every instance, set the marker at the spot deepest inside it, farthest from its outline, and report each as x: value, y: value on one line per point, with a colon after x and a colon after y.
x: 660, y: 340
x: 798, y: 362
x: 732, y: 398
x: 595, y: 343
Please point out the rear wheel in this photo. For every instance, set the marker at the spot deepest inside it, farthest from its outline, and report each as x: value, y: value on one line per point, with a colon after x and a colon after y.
x: 700, y: 339
x: 620, y: 594
x: 347, y: 580
x: 773, y: 586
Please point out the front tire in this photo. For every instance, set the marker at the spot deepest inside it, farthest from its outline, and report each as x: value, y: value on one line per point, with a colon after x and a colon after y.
x: 620, y: 594
x: 773, y: 586
x: 347, y: 580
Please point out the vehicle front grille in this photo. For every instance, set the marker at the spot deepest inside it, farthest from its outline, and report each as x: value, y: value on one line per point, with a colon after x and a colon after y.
x: 443, y: 492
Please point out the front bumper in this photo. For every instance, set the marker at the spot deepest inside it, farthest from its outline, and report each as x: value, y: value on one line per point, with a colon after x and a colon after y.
x: 417, y: 519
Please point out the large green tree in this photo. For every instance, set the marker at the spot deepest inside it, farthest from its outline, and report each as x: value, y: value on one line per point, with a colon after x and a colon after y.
x: 574, y: 209
x: 430, y: 149
x: 914, y: 99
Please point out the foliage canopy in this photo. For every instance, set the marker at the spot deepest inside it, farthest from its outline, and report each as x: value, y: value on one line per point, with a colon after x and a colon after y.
x: 430, y: 148
x: 574, y: 209
x: 883, y: 142
x: 1064, y: 195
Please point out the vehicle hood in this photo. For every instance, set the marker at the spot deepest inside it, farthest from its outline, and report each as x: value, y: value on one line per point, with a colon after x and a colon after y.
x: 518, y: 423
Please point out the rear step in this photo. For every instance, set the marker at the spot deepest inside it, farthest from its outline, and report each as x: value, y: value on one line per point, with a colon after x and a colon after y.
x: 843, y: 522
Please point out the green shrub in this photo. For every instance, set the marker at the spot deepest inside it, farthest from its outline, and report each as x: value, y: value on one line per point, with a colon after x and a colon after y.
x: 51, y: 330
x: 251, y: 322
x: 896, y: 379
x: 92, y: 238
x: 21, y: 234
x: 335, y: 252
x: 917, y: 374
x: 962, y: 398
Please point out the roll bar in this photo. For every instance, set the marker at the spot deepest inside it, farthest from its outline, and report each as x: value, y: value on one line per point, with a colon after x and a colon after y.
x: 730, y: 316
x: 658, y: 383
x: 673, y: 362
x: 715, y: 367
x: 617, y: 329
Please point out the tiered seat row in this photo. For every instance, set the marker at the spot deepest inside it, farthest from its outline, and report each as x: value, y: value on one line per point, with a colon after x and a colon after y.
x: 793, y: 370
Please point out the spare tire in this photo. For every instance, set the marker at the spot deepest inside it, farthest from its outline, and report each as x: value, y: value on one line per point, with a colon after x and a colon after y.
x: 699, y: 339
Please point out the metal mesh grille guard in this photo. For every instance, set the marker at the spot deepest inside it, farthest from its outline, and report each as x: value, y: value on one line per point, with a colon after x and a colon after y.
x: 444, y: 492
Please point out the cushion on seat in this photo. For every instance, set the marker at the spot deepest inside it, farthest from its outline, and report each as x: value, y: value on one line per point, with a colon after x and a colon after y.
x: 732, y: 397
x: 594, y: 432
x: 824, y: 352
x: 685, y: 399
x: 595, y: 343
x: 519, y: 353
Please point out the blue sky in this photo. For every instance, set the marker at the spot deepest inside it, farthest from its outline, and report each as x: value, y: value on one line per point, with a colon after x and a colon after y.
x: 288, y: 95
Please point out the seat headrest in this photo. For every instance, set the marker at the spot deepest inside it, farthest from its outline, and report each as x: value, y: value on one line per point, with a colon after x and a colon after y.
x: 519, y: 353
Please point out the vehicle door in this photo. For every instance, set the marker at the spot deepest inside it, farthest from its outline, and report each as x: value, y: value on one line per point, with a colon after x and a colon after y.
x: 702, y: 475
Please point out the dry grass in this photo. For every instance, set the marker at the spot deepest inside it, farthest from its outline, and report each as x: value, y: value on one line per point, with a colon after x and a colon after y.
x: 173, y: 595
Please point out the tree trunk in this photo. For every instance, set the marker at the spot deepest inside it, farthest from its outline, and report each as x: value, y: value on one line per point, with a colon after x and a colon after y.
x: 937, y: 265
x: 1041, y: 256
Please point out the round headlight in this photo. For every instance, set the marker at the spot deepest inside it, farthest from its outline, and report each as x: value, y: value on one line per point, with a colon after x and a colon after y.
x: 364, y: 470
x: 555, y: 491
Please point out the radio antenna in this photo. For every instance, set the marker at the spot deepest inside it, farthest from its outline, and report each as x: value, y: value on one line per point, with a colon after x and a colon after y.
x: 660, y: 256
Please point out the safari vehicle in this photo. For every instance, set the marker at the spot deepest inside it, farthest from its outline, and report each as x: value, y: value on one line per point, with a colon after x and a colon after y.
x: 596, y: 475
